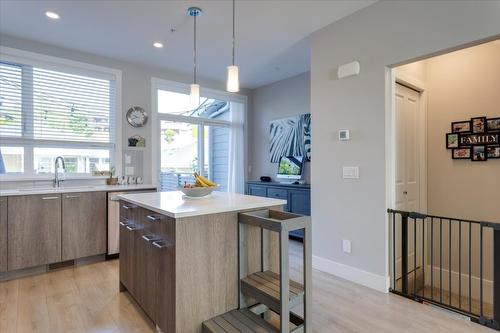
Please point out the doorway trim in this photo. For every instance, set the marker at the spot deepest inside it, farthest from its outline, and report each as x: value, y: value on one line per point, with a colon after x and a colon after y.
x: 421, y: 87
x: 390, y: 145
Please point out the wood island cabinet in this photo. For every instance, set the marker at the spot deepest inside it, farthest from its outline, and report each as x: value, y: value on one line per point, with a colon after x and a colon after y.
x: 147, y: 262
x: 83, y: 224
x: 129, y: 215
x: 34, y: 230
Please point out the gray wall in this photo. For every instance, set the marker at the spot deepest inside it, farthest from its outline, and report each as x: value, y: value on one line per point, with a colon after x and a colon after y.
x: 384, y: 34
x: 136, y: 85
x: 277, y: 100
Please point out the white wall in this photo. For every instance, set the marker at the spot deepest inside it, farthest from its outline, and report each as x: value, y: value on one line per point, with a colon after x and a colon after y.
x: 136, y: 85
x: 277, y: 100
x: 384, y: 34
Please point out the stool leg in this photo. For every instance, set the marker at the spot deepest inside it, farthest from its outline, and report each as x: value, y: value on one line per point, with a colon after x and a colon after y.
x: 307, y: 279
x: 242, y: 262
x: 284, y: 283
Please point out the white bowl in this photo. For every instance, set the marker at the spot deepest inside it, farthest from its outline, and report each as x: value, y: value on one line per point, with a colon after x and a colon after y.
x: 198, y: 192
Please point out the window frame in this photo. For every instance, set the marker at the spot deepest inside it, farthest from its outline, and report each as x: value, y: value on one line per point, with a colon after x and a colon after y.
x: 157, y: 117
x: 16, y: 56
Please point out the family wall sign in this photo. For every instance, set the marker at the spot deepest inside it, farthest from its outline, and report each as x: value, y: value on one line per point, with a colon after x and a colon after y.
x: 477, y: 139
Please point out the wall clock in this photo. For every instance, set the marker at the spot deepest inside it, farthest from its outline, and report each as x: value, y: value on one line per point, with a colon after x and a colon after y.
x: 136, y: 116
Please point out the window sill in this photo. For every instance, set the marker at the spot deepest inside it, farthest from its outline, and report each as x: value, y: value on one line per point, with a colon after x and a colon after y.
x: 18, y: 178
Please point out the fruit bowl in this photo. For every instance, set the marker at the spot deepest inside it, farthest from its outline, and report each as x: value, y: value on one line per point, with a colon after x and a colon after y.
x: 197, y: 192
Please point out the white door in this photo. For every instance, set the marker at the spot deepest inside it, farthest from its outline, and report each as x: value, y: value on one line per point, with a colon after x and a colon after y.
x: 407, y: 149
x: 407, y: 170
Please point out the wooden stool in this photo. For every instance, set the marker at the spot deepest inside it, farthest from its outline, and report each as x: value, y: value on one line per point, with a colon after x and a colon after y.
x: 268, y: 289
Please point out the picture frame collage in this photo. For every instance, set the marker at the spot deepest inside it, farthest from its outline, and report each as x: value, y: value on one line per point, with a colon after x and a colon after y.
x: 477, y: 139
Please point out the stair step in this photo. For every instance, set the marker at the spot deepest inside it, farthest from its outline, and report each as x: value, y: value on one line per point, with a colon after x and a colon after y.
x: 265, y: 288
x: 238, y: 321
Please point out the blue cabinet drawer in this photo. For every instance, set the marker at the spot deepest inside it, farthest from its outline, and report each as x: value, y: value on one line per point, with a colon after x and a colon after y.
x: 300, y: 202
x: 277, y: 193
x: 259, y: 191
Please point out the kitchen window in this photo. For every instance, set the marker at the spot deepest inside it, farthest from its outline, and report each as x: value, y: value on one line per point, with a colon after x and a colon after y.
x: 49, y: 110
x: 208, y: 139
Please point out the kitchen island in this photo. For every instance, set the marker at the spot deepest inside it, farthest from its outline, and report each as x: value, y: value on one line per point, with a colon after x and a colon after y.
x: 179, y: 256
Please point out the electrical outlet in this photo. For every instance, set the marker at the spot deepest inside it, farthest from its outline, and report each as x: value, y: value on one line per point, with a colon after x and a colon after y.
x: 346, y: 246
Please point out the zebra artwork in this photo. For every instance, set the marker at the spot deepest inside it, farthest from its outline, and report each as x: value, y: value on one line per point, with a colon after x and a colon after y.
x: 290, y: 137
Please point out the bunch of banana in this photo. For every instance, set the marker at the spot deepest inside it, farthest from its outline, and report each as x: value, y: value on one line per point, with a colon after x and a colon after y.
x: 203, y: 182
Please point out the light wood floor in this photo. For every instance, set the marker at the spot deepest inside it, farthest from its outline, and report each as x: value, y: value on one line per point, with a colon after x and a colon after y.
x: 86, y: 299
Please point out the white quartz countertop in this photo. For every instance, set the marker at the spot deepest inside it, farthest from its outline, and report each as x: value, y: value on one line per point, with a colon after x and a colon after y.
x: 73, y: 189
x: 176, y: 205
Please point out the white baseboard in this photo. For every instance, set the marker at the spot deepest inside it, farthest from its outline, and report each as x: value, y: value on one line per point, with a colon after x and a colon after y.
x: 378, y: 282
x: 475, y: 282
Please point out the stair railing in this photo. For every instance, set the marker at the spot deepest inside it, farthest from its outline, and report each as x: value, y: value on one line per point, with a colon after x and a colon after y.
x: 449, y: 262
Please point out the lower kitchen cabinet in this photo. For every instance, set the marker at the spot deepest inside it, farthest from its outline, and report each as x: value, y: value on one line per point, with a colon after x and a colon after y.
x: 34, y: 230
x: 83, y: 224
x: 3, y: 234
x: 164, y: 264
x: 147, y: 262
x: 128, y: 225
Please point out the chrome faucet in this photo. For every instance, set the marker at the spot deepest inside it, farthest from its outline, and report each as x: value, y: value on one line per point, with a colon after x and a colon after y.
x: 57, y: 181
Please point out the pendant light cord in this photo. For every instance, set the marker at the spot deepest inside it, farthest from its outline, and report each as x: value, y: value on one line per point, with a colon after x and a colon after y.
x: 233, y: 29
x: 194, y: 50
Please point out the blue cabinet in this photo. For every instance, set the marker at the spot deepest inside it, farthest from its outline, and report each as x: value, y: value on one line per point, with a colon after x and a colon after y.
x: 298, y: 197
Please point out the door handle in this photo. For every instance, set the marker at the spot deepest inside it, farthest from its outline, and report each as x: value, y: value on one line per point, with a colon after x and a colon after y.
x: 50, y: 198
x: 405, y: 192
x: 153, y: 218
x: 124, y: 224
x: 161, y: 244
x: 132, y: 227
x: 128, y: 206
x: 149, y: 238
x: 72, y: 196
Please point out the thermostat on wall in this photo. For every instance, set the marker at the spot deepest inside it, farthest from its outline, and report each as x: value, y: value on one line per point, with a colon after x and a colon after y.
x: 344, y: 135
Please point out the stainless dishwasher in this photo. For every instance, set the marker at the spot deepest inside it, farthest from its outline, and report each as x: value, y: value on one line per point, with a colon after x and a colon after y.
x: 114, y: 220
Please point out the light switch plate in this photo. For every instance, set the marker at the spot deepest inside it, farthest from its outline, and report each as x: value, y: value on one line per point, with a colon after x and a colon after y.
x: 350, y: 172
x: 129, y: 171
x: 346, y: 246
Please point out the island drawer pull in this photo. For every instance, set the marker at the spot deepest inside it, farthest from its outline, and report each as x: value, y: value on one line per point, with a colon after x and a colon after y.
x: 124, y: 224
x: 128, y: 206
x: 72, y: 196
x: 132, y: 227
x: 153, y: 218
x: 149, y: 238
x: 50, y: 198
x: 161, y: 244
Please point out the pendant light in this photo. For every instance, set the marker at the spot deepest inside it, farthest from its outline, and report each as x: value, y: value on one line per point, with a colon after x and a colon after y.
x: 233, y: 82
x: 194, y: 12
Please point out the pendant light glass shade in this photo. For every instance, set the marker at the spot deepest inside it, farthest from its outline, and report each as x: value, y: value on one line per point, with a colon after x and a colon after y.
x: 233, y: 81
x: 194, y: 97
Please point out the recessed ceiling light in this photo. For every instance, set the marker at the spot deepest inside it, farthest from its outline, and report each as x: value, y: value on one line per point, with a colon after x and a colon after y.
x: 52, y: 15
x: 158, y: 45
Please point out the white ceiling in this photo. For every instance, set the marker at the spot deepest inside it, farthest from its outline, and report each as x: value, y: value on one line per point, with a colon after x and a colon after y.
x: 272, y: 36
